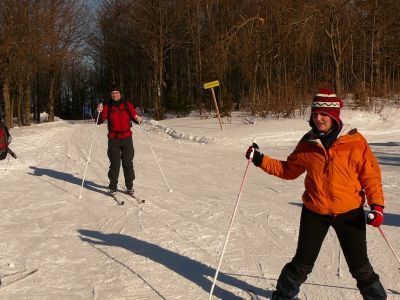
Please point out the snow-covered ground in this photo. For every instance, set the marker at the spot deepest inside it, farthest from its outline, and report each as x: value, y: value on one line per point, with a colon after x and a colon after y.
x: 169, y: 247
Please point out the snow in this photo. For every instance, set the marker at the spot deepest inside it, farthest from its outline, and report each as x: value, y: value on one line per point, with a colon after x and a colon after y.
x: 169, y: 247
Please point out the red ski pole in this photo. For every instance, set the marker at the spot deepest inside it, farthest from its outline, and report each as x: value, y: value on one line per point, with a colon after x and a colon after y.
x: 230, y: 225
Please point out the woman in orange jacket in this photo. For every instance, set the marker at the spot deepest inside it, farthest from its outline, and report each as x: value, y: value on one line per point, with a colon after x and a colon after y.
x: 341, y: 173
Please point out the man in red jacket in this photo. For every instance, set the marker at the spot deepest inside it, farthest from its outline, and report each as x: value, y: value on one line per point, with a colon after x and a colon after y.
x: 118, y: 114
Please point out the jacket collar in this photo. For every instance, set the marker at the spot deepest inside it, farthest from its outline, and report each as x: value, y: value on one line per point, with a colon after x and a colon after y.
x: 312, y: 136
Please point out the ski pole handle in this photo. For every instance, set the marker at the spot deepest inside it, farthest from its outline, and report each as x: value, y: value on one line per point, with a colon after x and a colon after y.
x: 254, y: 147
x: 99, y: 107
x: 251, y: 154
x: 370, y: 217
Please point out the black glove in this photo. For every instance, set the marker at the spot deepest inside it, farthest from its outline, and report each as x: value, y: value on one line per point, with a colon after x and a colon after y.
x: 257, y: 156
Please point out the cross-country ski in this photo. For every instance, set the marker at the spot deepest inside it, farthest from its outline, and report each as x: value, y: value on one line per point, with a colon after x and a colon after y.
x: 133, y: 196
x: 12, y: 278
x: 116, y: 197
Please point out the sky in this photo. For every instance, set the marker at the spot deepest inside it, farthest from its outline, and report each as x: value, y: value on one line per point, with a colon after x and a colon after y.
x: 93, y: 3
x: 189, y: 172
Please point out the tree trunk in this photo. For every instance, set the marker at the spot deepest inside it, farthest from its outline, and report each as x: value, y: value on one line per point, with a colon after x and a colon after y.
x: 338, y: 79
x: 27, y: 99
x: 19, y: 103
x: 52, y: 95
x: 7, y: 102
x: 158, y: 79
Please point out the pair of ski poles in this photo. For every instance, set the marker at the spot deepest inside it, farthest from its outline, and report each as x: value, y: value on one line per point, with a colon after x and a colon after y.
x: 90, y: 151
x: 231, y: 224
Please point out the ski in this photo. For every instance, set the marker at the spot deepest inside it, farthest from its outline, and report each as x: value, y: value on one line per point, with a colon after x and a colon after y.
x: 115, y: 197
x: 136, y: 198
x: 253, y: 295
x: 10, y: 279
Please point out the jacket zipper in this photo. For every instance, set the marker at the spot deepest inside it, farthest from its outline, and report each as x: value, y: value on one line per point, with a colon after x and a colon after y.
x: 328, y: 174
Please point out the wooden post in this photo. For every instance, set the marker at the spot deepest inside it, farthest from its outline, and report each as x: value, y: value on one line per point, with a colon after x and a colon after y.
x: 216, y: 107
x: 211, y: 85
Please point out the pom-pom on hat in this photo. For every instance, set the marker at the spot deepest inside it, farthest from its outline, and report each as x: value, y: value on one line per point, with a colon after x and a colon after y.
x: 327, y: 102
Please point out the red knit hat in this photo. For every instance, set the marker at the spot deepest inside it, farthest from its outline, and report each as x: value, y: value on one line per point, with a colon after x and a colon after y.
x: 327, y: 102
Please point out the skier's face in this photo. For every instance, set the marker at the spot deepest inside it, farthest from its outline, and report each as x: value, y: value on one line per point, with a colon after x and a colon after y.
x: 115, y: 95
x: 322, y: 121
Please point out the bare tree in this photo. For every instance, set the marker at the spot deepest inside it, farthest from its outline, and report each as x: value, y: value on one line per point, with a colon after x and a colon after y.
x: 64, y: 35
x: 269, y: 56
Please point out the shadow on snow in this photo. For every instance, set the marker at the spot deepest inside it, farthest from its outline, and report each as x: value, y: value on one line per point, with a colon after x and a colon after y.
x: 195, y: 271
x: 388, y: 157
x: 62, y: 176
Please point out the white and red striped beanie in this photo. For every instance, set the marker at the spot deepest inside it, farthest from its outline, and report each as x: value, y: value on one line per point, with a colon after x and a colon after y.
x: 327, y: 102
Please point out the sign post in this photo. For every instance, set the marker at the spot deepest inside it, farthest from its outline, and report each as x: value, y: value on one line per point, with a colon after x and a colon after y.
x: 211, y: 85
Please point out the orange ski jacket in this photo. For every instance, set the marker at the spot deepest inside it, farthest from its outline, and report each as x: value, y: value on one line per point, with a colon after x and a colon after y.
x: 337, y: 180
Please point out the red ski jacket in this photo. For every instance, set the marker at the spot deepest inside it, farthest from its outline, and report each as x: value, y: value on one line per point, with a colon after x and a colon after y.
x: 118, y: 119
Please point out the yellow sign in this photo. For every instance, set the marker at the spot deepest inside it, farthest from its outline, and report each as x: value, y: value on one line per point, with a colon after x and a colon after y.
x: 211, y: 84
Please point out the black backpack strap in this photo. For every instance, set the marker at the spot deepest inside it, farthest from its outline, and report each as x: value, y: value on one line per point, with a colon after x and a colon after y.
x: 127, y: 109
x: 109, y: 104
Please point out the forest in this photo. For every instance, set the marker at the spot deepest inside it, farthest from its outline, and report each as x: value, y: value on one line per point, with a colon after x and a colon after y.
x: 269, y: 56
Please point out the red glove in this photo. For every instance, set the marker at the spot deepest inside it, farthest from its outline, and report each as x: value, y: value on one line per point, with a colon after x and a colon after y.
x: 375, y: 216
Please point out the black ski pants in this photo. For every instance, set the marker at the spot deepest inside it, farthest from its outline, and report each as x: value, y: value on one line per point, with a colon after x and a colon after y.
x: 121, y: 150
x: 350, y: 229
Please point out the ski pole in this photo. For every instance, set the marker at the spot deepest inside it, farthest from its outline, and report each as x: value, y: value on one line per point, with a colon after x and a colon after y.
x: 151, y: 148
x: 12, y: 153
x: 90, y: 150
x: 231, y: 223
x: 387, y: 242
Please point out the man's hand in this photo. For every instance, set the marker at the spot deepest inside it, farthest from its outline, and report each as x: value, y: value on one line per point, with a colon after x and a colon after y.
x: 138, y: 119
x: 100, y: 107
